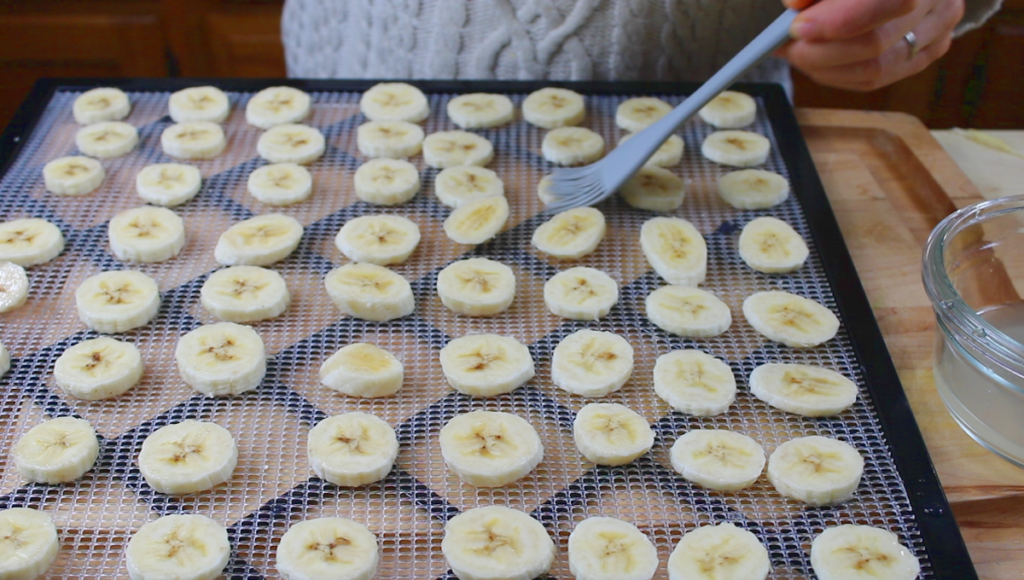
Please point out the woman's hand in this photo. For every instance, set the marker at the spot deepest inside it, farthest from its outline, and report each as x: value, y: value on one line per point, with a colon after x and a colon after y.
x: 859, y: 45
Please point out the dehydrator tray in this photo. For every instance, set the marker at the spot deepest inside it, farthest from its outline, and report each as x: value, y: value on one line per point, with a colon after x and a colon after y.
x: 273, y: 486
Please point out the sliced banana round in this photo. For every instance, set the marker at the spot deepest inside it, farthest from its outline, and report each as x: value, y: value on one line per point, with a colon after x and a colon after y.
x: 208, y: 104
x: 668, y: 155
x: 101, y: 104
x: 378, y: 239
x: 146, y: 234
x: 187, y: 457
x: 544, y: 190
x: 790, y: 319
x: 736, y: 148
x: 490, y: 449
x: 481, y: 110
x: 221, y: 359
x: 117, y: 301
x: 572, y: 234
x: 179, y: 546
x: 639, y: 113
x: 572, y: 146
x: 193, y: 140
x: 370, y: 292
x: 477, y: 221
x: 280, y: 184
x: 476, y: 287
x: 30, y: 241
x: 694, y: 382
x: 688, y: 312
x: 387, y: 181
x: 245, y: 294
x: 327, y: 548
x: 484, y: 365
x: 452, y: 148
x: 718, y: 459
x: 753, y: 188
x: 816, y: 470
x: 721, y: 552
x: 394, y: 102
x: 352, y: 449
x: 590, y: 363
x: 107, y: 139
x: 654, y: 189
x: 610, y: 549
x: 851, y: 552
x: 803, y: 389
x: 675, y: 249
x: 291, y: 143
x: 168, y: 184
x: 730, y: 110
x: 611, y: 434
x: 5, y: 360
x: 456, y: 186
x: 389, y: 139
x: 581, y: 293
x: 551, y: 107
x: 494, y: 542
x: 772, y: 246
x: 277, y: 106
x: 363, y: 370
x: 75, y: 175
x: 60, y: 450
x: 13, y: 286
x: 98, y: 368
x: 28, y: 543
x: 259, y: 241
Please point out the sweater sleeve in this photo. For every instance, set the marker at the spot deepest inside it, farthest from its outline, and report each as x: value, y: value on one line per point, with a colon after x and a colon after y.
x: 976, y: 13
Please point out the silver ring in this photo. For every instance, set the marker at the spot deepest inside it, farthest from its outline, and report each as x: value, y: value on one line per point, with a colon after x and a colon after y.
x: 911, y: 39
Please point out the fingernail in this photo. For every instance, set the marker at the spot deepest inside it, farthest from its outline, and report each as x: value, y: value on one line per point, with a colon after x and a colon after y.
x: 804, y: 29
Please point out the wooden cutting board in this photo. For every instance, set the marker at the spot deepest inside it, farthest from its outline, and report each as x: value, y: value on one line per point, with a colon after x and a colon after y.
x: 890, y: 183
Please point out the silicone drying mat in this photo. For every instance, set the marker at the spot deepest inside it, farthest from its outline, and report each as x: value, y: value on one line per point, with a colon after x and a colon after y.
x: 273, y: 486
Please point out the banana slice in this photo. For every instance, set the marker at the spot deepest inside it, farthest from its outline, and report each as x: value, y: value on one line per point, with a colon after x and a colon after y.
x: 327, y: 548
x: 571, y: 234
x: 168, y: 184
x: 183, y: 547
x: 718, y: 459
x: 291, y: 143
x: 28, y: 543
x: 494, y: 542
x: 730, y: 110
x: 790, y: 319
x: 280, y: 184
x: 60, y: 450
x: 572, y: 146
x: 736, y: 148
x: 107, y: 139
x: 611, y: 549
x: 193, y: 140
x: 188, y: 457
x: 722, y: 552
x: 457, y: 186
x: 99, y: 368
x: 591, y: 363
x: 259, y: 241
x: 389, y: 139
x: 694, y: 382
x: 484, y: 365
x: 850, y: 552
x: 370, y: 292
x: 378, y: 239
x: 387, y: 181
x: 101, y: 104
x: 352, y: 449
x: 5, y: 360
x: 13, y: 286
x: 208, y: 104
x: 221, y: 359
x: 803, y: 389
x: 688, y: 312
x: 637, y: 114
x: 477, y: 221
x: 76, y: 175
x: 30, y: 241
x: 772, y: 246
x: 753, y: 188
x: 146, y: 234
x: 481, y: 110
x: 668, y: 155
x: 544, y: 190
x: 363, y: 370
x: 476, y: 287
x: 816, y: 470
x: 117, y: 301
x: 394, y: 102
x: 551, y: 108
x: 581, y: 294
x: 452, y: 148
x: 245, y: 294
x: 611, y: 434
x: 675, y: 249
x: 654, y: 189
x: 490, y: 449
x: 277, y: 106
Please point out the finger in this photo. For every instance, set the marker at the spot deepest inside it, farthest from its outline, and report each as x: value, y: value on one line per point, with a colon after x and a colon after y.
x: 891, y: 67
x: 839, y: 19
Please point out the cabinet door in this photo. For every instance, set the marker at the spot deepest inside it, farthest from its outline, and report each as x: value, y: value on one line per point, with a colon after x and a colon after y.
x: 225, y: 38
